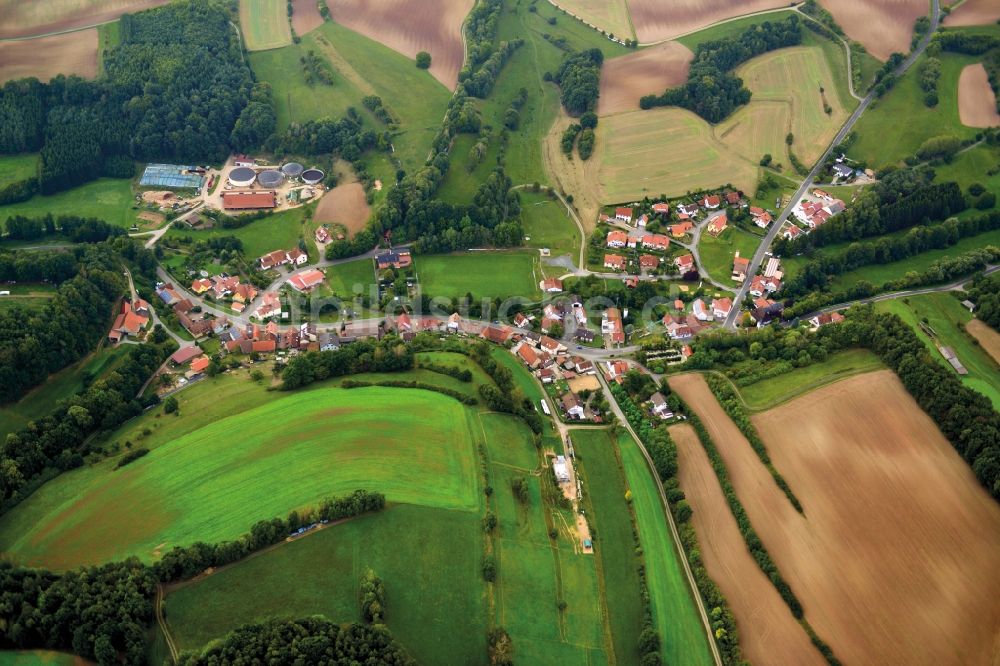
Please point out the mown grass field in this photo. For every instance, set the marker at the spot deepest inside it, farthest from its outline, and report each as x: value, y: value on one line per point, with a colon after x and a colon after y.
x: 483, y: 274
x: 434, y: 589
x: 896, y: 126
x: 280, y: 231
x: 546, y: 222
x: 17, y: 167
x: 675, y: 614
x: 59, y: 386
x: 609, y: 15
x: 109, y: 199
x: 773, y: 391
x: 264, y: 24
x: 973, y: 166
x: 717, y: 254
x: 351, y: 278
x: 946, y: 315
x: 27, y: 296
x: 214, y: 482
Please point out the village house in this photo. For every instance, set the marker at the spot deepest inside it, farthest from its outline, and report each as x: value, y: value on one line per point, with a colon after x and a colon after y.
x: 270, y: 306
x: 397, y: 259
x: 130, y: 321
x: 681, y: 229
x: 732, y: 198
x: 612, y: 326
x: 685, y: 263
x: 711, y: 202
x: 792, y: 232
x: 717, y: 224
x: 198, y: 366
x: 757, y: 287
x: 655, y: 242
x: 497, y: 334
x: 185, y: 354
x: 528, y: 355
x: 760, y: 217
x: 826, y: 318
x: 454, y: 322
x: 688, y: 210
x: 740, y: 267
x: 623, y: 215
x: 614, y: 261
x: 772, y: 284
x: 765, y: 310
x: 699, y: 310
x: 322, y: 235
x: 584, y: 335
x: 677, y: 328
x: 616, y: 370
x: 244, y: 293
x: 201, y: 285
x: 648, y: 261
x: 773, y: 268
x: 402, y: 323
x: 552, y: 285
x: 660, y: 407
x: 661, y: 208
x: 167, y: 293
x: 642, y: 221
x: 306, y: 280
x: 721, y: 307
x: 617, y: 239
x: 574, y: 409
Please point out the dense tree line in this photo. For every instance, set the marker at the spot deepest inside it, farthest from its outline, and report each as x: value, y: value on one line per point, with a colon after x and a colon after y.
x: 76, y: 229
x: 180, y: 563
x: 480, y: 83
x: 372, y: 598
x: 505, y: 396
x: 21, y: 190
x: 579, y: 79
x: 386, y: 355
x: 174, y: 88
x: 985, y: 293
x: 345, y: 137
x: 313, y: 640
x: 712, y: 91
x: 816, y: 273
x: 58, y: 441
x: 98, y: 613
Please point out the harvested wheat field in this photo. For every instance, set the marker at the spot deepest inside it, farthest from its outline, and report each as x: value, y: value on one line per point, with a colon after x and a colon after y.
x: 977, y: 105
x: 656, y: 20
x: 345, y: 204
x: 986, y: 336
x: 974, y: 12
x: 19, y: 18
x: 627, y: 78
x: 305, y: 16
x: 882, y: 26
x: 44, y: 57
x: 897, y: 558
x: 581, y: 178
x: 769, y: 634
x: 411, y: 26
x: 608, y: 15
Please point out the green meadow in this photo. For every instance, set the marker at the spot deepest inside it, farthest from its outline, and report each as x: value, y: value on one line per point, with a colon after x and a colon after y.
x: 483, y: 274
x: 37, y: 658
x: 14, y: 168
x: 351, y: 277
x: 547, y: 223
x: 279, y: 231
x: 109, y: 199
x: 717, y: 253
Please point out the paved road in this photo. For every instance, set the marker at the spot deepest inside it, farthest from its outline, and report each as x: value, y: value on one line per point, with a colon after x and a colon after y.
x: 758, y: 257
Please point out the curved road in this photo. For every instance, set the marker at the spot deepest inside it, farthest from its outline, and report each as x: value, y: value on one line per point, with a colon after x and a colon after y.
x: 758, y: 257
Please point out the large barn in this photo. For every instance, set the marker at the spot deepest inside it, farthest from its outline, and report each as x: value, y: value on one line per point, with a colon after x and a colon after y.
x: 249, y: 200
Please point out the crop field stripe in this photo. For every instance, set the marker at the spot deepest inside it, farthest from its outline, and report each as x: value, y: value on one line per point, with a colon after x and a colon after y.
x: 265, y: 24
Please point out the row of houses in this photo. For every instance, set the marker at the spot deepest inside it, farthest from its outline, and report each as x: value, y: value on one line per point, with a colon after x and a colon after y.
x: 618, y: 239
x: 226, y: 286
x: 295, y: 257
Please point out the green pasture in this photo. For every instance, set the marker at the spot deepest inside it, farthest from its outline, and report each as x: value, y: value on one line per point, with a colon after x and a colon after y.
x: 351, y: 278
x: 483, y: 274
x: 427, y: 557
x: 717, y: 253
x: 109, y: 199
x: 947, y: 317
x: 37, y: 658
x: 14, y: 168
x: 279, y: 231
x: 675, y: 614
x: 27, y: 296
x: 60, y: 386
x: 251, y: 464
x: 265, y: 24
x: 773, y: 391
x: 896, y: 125
x: 973, y: 166
x: 730, y: 28
x: 879, y: 274
x: 529, y: 387
x: 611, y: 523
x: 547, y: 223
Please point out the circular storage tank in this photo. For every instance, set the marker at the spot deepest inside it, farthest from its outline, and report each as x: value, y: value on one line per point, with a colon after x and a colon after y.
x: 312, y: 176
x: 270, y: 178
x: 242, y: 177
x: 292, y: 170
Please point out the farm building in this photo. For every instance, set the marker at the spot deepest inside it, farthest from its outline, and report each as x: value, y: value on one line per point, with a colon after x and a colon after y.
x: 170, y: 175
x: 560, y: 469
x: 306, y: 279
x: 248, y: 200
x: 242, y: 177
x: 185, y: 354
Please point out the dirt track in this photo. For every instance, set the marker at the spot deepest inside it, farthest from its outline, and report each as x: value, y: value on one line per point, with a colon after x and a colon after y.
x: 655, y: 20
x: 882, y: 26
x: 977, y: 105
x: 411, y: 26
x: 987, y: 337
x: 897, y: 559
x: 22, y: 18
x: 44, y: 57
x: 974, y: 12
x: 768, y: 632
x: 649, y: 71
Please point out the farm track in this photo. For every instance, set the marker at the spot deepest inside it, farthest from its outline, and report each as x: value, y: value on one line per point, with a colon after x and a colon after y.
x: 161, y: 621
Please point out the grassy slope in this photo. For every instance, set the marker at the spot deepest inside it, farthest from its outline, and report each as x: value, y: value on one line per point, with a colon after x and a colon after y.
x: 411, y: 548
x: 717, y: 253
x: 107, y: 198
x: 17, y: 167
x: 973, y: 166
x: 675, y: 614
x: 211, y: 484
x: 611, y: 522
x: 484, y: 274
x: 546, y: 222
x: 347, y: 279
x: 899, y: 123
x: 945, y: 314
x: 59, y: 386
x: 275, y: 232
x: 770, y: 392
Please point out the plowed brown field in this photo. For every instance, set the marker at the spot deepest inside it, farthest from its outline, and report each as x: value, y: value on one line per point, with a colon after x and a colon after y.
x: 897, y: 558
x: 305, y: 16
x: 768, y: 632
x: 987, y: 337
x: 882, y: 26
x: 655, y: 20
x: 977, y: 105
x: 44, y: 57
x: 411, y: 26
x: 346, y: 205
x: 627, y: 78
x: 21, y: 18
x: 974, y: 12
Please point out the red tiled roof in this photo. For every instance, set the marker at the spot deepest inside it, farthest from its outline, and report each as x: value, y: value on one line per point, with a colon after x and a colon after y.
x: 199, y: 364
x: 248, y: 200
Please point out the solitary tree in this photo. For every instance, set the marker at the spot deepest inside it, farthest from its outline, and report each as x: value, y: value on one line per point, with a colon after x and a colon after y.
x: 424, y: 60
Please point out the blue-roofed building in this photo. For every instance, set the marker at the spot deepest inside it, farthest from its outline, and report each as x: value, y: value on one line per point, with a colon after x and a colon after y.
x: 171, y: 176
